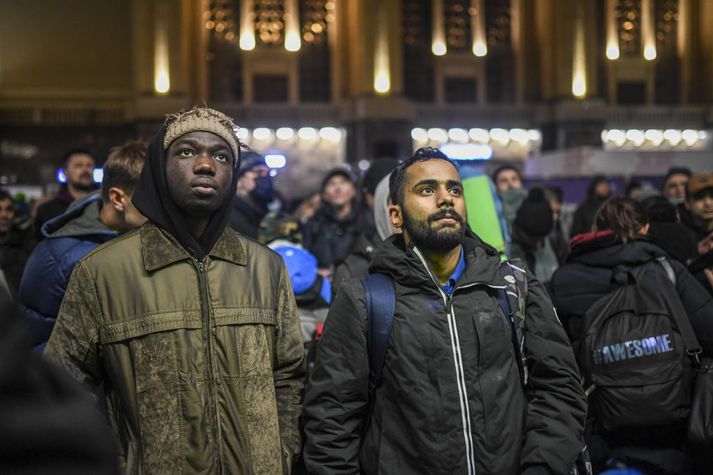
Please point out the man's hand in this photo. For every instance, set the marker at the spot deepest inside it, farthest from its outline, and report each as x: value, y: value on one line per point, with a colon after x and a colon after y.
x: 705, y: 245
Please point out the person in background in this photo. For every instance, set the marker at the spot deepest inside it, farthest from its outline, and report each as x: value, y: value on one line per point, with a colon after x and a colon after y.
x: 331, y: 232
x: 253, y: 195
x: 16, y: 243
x: 598, y: 192
x: 78, y: 168
x: 508, y: 183
x: 674, y: 184
x: 95, y: 219
x: 507, y: 177
x: 533, y: 240
x: 308, y: 207
x: 666, y: 230
x: 697, y: 215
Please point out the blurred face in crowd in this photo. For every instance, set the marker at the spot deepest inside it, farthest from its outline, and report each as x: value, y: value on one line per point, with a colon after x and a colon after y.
x: 79, y: 171
x: 432, y: 214
x: 199, y: 171
x: 701, y: 205
x: 602, y: 189
x: 7, y: 214
x: 556, y: 206
x: 507, y: 180
x: 675, y: 187
x: 246, y: 182
x: 338, y: 191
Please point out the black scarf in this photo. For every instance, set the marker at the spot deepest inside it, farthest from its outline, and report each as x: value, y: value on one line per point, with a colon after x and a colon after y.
x: 151, y: 197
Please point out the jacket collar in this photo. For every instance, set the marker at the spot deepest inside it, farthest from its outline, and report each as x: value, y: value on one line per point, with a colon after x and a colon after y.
x: 160, y: 249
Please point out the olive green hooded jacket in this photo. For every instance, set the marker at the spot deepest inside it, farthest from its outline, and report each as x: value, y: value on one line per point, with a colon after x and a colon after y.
x: 201, y: 361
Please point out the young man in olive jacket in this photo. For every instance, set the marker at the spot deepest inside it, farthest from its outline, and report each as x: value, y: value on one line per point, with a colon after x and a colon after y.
x: 192, y: 328
x: 451, y: 398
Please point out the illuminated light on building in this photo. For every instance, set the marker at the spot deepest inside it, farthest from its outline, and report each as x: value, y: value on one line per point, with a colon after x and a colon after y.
x: 292, y: 26
x: 364, y: 165
x: 162, y: 78
x: 579, y: 61
x: 458, y: 135
x: 617, y: 137
x: 534, y: 135
x: 330, y: 134
x: 382, y: 65
x: 419, y: 135
x: 654, y: 136
x: 520, y: 136
x: 307, y: 133
x: 438, y: 135
x: 672, y: 136
x: 275, y: 160
x: 284, y: 133
x: 477, y: 22
x: 612, y: 33
x: 467, y: 151
x: 242, y: 134
x: 247, y: 29
x: 635, y: 136
x: 690, y: 137
x: 262, y: 133
x: 438, y: 42
x: 501, y: 136
x: 479, y: 135
x: 648, y: 30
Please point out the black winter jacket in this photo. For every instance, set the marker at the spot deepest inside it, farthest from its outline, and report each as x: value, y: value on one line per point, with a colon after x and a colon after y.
x: 588, y: 273
x: 451, y: 398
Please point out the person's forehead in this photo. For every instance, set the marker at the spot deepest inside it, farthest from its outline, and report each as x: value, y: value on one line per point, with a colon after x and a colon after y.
x: 677, y: 178
x: 508, y: 174
x: 80, y: 158
x: 439, y: 170
x: 5, y: 202
x: 338, y: 179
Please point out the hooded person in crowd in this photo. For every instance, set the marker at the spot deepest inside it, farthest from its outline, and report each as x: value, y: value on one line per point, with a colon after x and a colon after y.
x: 532, y: 237
x: 253, y: 195
x: 78, y: 168
x: 598, y: 192
x: 331, y: 232
x: 87, y: 223
x: 508, y: 183
x: 674, y: 184
x: 666, y: 230
x: 451, y: 399
x: 16, y: 243
x: 191, y: 327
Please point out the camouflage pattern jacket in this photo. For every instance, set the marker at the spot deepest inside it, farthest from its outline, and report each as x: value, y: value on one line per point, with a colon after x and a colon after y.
x: 201, y: 361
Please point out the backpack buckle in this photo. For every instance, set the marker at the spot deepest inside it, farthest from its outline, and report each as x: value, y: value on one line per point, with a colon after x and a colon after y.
x: 695, y: 355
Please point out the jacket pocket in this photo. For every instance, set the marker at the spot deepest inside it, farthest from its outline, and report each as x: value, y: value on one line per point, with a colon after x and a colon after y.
x: 248, y: 334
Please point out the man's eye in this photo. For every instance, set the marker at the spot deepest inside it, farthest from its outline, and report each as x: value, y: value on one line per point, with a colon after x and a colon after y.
x: 456, y: 191
x: 221, y: 157
x: 186, y: 153
x: 426, y: 191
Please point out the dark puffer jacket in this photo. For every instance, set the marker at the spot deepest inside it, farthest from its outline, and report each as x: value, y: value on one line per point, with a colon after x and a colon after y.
x: 451, y: 399
x: 70, y: 237
x: 588, y: 273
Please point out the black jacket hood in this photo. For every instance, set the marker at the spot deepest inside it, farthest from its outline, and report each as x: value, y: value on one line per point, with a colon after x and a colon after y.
x: 151, y: 197
x: 392, y: 257
x: 609, y: 252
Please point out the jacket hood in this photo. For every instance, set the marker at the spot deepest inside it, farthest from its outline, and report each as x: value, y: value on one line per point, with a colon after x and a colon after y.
x: 405, y: 267
x: 608, y: 251
x: 152, y: 199
x: 80, y: 220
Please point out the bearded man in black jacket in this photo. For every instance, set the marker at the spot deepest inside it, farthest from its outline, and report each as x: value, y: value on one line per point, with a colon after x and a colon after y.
x: 451, y: 398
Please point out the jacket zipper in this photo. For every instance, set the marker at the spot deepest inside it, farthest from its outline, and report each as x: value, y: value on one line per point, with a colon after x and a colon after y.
x: 205, y: 304
x: 458, y: 362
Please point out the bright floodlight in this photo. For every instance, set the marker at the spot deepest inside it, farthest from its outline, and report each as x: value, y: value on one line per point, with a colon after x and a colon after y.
x: 307, y: 133
x: 458, y: 135
x: 285, y: 133
x: 419, y: 135
x: 275, y: 160
x: 479, y: 135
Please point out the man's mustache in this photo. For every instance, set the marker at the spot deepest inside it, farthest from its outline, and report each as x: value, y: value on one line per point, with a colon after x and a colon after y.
x: 446, y: 213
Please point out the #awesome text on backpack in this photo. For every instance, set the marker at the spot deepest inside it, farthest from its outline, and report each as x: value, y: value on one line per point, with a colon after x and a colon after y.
x: 636, y: 351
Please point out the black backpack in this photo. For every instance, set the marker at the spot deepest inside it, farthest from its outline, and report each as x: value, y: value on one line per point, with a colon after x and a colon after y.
x: 636, y: 351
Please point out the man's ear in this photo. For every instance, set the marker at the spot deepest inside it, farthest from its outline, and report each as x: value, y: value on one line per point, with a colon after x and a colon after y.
x: 116, y: 198
x: 396, y: 216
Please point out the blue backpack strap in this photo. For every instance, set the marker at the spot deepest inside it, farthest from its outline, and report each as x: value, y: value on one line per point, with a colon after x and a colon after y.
x: 512, y: 303
x: 380, y: 306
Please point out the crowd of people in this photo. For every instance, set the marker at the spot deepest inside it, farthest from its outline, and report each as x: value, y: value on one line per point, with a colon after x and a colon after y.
x: 207, y: 352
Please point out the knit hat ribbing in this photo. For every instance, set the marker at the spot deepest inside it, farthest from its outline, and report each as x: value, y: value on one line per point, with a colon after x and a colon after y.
x: 201, y: 119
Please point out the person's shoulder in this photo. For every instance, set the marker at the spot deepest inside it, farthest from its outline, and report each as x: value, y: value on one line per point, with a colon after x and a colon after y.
x: 119, y: 248
x: 254, y: 250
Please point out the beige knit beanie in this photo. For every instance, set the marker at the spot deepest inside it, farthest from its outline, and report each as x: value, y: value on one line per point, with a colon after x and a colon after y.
x: 201, y: 119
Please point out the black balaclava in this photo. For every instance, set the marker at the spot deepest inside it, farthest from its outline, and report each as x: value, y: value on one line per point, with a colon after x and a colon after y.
x: 152, y: 199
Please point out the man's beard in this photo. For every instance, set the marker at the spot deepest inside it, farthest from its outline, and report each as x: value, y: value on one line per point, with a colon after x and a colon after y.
x: 444, y: 239
x: 84, y: 185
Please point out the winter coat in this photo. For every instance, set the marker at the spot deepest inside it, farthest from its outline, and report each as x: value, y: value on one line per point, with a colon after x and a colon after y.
x: 245, y: 217
x: 15, y: 248
x: 330, y: 239
x: 70, y: 237
x: 356, y: 264
x: 587, y: 276
x: 50, y: 210
x: 451, y: 398
x: 201, y: 360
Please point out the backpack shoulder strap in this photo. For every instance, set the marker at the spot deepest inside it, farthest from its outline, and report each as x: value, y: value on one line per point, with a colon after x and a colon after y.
x: 512, y: 302
x: 380, y: 306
